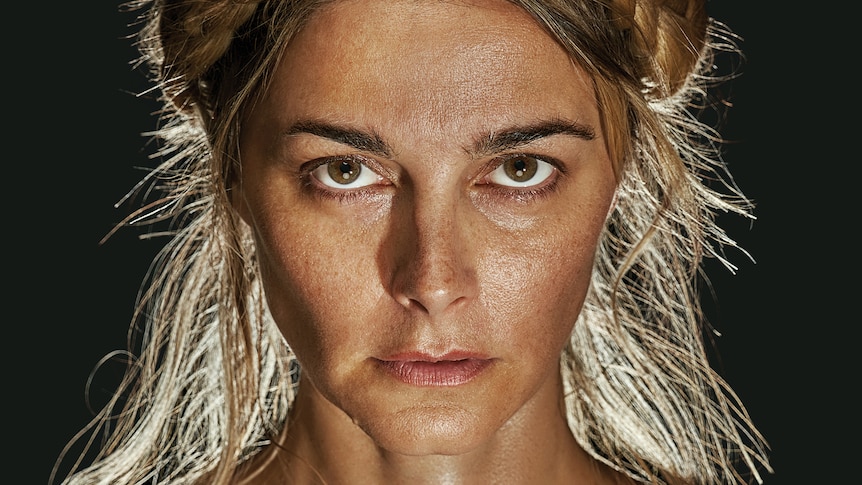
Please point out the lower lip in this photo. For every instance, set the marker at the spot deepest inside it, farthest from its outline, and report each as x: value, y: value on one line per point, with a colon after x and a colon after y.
x: 444, y: 373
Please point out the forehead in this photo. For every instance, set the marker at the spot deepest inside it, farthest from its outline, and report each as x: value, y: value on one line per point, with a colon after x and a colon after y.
x: 442, y: 62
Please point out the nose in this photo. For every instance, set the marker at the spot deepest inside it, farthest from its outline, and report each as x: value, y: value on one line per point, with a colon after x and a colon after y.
x: 433, y: 269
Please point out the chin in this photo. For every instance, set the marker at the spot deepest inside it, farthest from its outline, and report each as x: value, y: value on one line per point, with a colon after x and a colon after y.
x: 430, y: 430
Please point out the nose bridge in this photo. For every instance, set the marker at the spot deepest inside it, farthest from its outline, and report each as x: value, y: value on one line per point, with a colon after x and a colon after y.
x: 434, y: 221
x: 433, y: 269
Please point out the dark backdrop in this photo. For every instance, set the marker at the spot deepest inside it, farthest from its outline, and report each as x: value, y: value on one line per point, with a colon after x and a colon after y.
x: 73, y: 143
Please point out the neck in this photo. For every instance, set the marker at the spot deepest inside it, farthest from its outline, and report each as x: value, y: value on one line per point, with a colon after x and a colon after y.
x: 323, y: 445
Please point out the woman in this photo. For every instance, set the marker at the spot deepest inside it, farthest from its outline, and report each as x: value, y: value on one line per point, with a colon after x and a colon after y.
x: 430, y: 242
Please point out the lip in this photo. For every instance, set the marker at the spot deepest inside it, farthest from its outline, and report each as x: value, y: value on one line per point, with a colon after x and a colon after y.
x: 424, y: 370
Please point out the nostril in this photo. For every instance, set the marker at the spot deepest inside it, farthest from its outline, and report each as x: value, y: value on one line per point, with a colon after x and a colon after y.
x: 410, y: 303
x: 434, y: 292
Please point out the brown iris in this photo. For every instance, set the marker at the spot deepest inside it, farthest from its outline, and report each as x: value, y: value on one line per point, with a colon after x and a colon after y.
x: 344, y: 170
x: 521, y: 168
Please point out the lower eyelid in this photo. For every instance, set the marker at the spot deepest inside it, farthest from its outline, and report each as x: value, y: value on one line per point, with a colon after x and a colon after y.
x: 523, y: 194
x: 341, y: 196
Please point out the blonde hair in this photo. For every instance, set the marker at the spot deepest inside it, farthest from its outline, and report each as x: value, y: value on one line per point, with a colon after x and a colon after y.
x: 215, y: 379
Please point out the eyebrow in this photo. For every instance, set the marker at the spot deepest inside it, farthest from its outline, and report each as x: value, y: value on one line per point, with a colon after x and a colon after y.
x: 361, y: 140
x: 518, y: 136
x: 487, y: 144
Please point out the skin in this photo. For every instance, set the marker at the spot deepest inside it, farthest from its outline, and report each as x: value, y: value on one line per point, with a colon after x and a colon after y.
x: 432, y: 252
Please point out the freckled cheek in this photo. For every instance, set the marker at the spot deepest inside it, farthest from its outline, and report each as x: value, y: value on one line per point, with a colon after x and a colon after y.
x: 318, y: 282
x: 536, y: 288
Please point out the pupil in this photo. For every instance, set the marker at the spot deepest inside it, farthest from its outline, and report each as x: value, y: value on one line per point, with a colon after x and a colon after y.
x: 344, y: 171
x: 521, y: 169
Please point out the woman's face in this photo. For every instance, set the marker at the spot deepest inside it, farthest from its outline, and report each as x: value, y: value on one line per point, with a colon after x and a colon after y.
x: 426, y: 183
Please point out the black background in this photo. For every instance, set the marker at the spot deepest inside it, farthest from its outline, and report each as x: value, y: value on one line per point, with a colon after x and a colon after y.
x: 72, y: 137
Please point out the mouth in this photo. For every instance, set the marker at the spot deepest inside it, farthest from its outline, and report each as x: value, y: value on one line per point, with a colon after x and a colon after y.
x: 422, y: 370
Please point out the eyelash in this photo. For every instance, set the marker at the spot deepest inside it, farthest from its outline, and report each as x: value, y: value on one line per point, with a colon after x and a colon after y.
x: 345, y: 196
x: 523, y: 194
x: 350, y: 196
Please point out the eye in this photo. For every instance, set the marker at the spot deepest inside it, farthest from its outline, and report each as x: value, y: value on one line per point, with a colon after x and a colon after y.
x: 521, y: 171
x: 345, y: 173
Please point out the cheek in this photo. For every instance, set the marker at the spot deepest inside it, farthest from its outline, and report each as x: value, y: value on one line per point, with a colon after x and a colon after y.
x: 540, y: 273
x: 537, y: 283
x: 317, y: 283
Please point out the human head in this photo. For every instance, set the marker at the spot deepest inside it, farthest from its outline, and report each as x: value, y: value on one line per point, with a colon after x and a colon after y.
x: 647, y: 61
